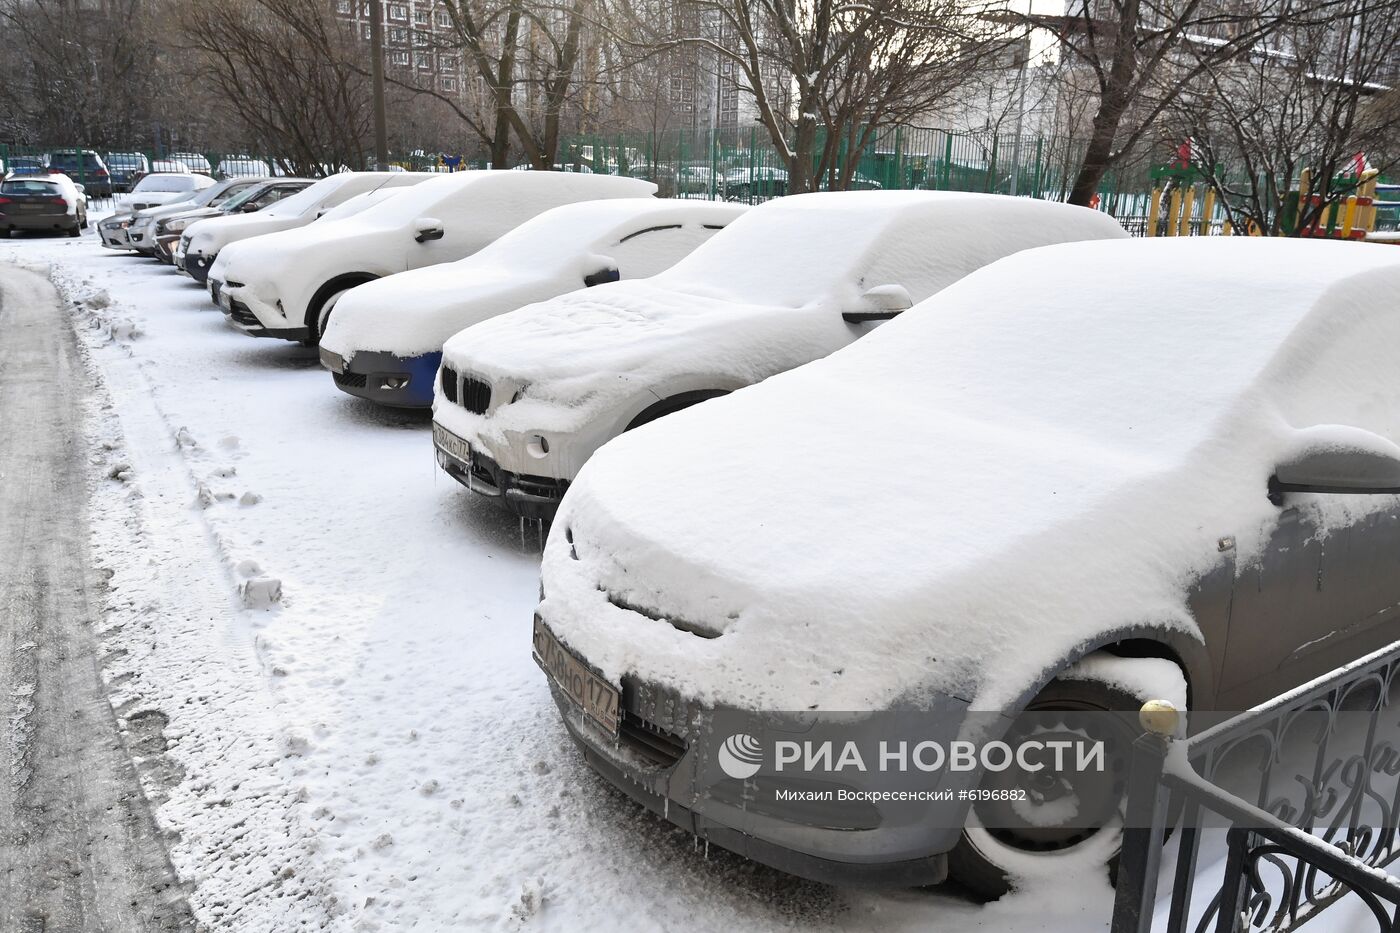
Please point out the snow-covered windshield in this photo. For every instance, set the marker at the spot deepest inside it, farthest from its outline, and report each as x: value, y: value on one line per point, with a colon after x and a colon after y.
x: 164, y: 182
x: 312, y: 196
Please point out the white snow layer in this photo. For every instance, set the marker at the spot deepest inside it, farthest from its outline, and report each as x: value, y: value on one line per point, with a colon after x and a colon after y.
x: 1048, y: 450
x: 762, y: 297
x: 416, y: 312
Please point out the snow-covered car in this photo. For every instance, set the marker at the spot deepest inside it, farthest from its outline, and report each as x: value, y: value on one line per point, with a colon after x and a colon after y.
x: 287, y: 286
x: 241, y: 165
x: 42, y: 202
x: 526, y: 398
x: 193, y: 162
x: 1057, y: 486
x: 114, y: 231
x: 384, y: 341
x: 164, y: 188
x: 164, y: 233
x: 201, y: 243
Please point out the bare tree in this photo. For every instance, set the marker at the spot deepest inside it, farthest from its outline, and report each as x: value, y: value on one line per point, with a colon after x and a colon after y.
x: 74, y: 71
x: 288, y: 73
x: 1141, y: 55
x: 1311, y: 101
x: 825, y: 75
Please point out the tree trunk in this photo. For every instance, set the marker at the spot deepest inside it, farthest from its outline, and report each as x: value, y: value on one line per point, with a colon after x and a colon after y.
x: 1099, y: 153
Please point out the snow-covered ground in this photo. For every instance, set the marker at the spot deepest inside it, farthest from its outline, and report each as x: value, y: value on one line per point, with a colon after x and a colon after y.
x: 376, y: 750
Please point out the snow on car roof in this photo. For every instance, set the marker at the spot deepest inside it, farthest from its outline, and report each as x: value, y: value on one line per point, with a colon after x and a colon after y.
x: 1048, y: 450
x: 504, y: 186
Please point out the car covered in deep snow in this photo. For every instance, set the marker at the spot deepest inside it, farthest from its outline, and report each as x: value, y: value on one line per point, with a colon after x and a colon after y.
x: 114, y: 231
x: 199, y: 246
x: 527, y: 397
x: 384, y: 341
x: 287, y: 287
x: 1056, y: 485
x: 165, y: 188
x: 164, y: 232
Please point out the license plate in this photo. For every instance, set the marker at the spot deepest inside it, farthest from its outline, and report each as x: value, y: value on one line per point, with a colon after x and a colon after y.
x: 451, y: 444
x: 597, y: 697
x: 332, y: 360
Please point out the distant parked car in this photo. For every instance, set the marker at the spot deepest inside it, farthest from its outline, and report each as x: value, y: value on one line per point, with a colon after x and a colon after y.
x: 384, y: 341
x: 287, y: 286
x: 114, y: 231
x: 193, y: 161
x: 26, y: 165
x: 758, y: 183
x: 527, y: 397
x: 1056, y: 486
x: 165, y: 187
x: 42, y: 202
x: 85, y: 167
x: 126, y: 169
x: 202, y: 242
x: 241, y: 165
x: 258, y: 193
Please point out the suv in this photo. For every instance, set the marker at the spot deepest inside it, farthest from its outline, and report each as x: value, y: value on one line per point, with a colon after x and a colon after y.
x: 85, y: 167
x: 126, y: 168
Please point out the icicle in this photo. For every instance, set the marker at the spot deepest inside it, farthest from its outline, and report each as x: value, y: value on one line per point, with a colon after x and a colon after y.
x: 707, y: 849
x: 666, y: 808
x: 522, y: 532
x: 539, y: 533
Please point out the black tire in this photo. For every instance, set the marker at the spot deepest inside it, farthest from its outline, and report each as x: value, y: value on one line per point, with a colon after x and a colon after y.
x: 75, y: 230
x: 981, y: 858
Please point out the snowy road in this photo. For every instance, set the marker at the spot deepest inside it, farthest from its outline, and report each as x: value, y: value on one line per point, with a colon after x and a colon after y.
x: 79, y: 850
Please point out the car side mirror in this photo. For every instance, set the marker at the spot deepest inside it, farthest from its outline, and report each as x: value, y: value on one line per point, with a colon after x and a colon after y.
x: 427, y: 228
x: 880, y: 304
x: 251, y: 207
x: 1339, y: 460
x: 602, y: 276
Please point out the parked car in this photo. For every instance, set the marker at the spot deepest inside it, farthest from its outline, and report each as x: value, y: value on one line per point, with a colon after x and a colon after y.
x: 201, y: 243
x: 193, y: 162
x: 165, y: 188
x: 526, y: 398
x: 114, y: 231
x: 42, y: 202
x: 759, y: 182
x: 126, y: 169
x: 85, y: 167
x: 256, y: 194
x: 384, y: 341
x: 1054, y: 486
x: 287, y: 287
x: 241, y: 165
x: 26, y: 165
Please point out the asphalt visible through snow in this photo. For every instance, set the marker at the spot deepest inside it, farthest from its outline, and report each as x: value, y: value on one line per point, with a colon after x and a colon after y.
x: 79, y: 850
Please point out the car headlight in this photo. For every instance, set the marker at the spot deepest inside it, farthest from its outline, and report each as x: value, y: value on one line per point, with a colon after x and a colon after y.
x: 174, y: 226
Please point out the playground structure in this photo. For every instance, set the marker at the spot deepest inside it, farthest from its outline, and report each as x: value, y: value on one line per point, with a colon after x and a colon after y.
x: 1191, y: 209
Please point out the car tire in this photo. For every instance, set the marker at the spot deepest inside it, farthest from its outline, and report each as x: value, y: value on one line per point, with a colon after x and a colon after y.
x: 323, y: 317
x: 75, y: 230
x: 985, y: 861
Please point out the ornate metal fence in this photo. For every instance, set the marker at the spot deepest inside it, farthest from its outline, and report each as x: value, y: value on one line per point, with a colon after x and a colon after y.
x: 1320, y: 826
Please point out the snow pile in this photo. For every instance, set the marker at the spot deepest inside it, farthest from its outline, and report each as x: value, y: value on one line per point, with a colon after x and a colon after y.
x: 1047, y: 451
x: 415, y: 312
x: 763, y: 297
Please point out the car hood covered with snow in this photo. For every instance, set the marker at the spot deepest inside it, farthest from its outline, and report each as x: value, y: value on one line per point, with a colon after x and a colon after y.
x: 1047, y: 451
x: 416, y: 312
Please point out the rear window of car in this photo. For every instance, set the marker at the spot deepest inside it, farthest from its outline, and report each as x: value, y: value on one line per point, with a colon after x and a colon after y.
x: 66, y: 160
x: 124, y: 161
x: 27, y: 186
x: 165, y: 183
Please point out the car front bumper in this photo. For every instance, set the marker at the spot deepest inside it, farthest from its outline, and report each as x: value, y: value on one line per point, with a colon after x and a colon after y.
x: 113, y: 235
x: 165, y: 247
x: 386, y: 378
x: 528, y: 496
x: 659, y: 758
x: 238, y: 310
x: 197, y: 266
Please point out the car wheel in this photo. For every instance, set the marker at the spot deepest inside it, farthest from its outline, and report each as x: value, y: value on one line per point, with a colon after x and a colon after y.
x: 75, y: 230
x: 1003, y: 841
x: 323, y: 316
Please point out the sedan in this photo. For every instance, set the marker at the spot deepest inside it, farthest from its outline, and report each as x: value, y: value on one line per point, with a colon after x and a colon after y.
x: 42, y: 202
x: 115, y: 231
x: 385, y: 340
x: 1055, y: 487
x: 254, y: 194
x: 527, y: 397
